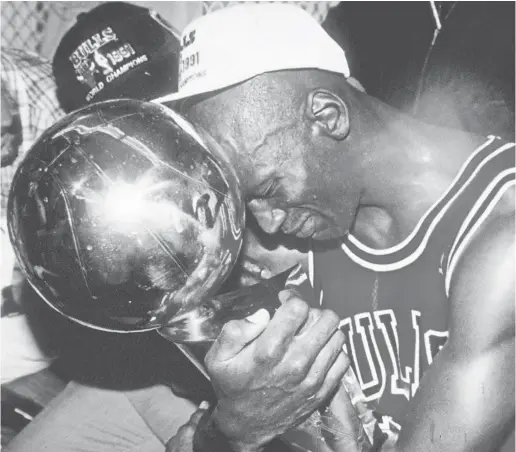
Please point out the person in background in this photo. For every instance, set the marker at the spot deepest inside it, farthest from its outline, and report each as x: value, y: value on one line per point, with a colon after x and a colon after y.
x: 385, y: 43
x: 116, y: 50
x: 447, y: 63
x: 467, y: 80
x: 29, y: 107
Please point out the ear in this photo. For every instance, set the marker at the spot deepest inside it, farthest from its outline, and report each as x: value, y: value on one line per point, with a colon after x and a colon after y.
x: 328, y: 113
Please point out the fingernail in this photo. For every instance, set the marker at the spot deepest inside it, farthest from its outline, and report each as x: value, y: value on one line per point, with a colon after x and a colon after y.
x: 266, y: 273
x: 285, y: 295
x: 204, y: 405
x: 259, y: 317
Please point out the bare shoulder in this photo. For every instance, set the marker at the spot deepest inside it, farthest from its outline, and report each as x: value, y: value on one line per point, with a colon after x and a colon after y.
x: 507, y: 203
x: 482, y: 294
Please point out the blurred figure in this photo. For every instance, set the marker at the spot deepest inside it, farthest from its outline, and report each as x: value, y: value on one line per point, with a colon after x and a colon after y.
x: 29, y: 107
x: 385, y: 43
x: 448, y: 63
x: 467, y: 81
x: 116, y: 50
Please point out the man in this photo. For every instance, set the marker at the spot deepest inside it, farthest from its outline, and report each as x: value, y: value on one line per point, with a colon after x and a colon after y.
x: 423, y: 277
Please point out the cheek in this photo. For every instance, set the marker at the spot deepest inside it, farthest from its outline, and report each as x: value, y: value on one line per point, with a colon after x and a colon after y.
x: 295, y: 182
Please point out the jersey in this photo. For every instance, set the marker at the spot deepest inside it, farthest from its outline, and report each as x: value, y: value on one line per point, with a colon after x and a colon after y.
x: 394, y: 302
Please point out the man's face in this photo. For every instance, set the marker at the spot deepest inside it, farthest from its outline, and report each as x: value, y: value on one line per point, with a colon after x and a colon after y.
x: 288, y: 184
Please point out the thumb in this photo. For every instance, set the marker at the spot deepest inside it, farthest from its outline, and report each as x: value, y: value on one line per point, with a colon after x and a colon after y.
x: 236, y: 334
x: 196, y: 417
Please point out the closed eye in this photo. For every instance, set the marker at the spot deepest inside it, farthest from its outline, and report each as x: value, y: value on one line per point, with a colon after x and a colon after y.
x: 268, y: 192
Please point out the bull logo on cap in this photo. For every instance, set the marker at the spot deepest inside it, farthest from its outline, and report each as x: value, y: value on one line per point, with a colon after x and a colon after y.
x: 102, y: 62
x: 86, y: 73
x: 87, y: 58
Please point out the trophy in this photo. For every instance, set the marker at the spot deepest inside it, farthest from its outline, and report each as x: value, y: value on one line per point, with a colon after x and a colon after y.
x: 122, y: 219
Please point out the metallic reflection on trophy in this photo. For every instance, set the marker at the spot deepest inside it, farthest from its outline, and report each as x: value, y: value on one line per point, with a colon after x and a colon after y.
x: 121, y: 218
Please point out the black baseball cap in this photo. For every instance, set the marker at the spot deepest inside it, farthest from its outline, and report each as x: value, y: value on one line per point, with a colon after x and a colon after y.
x: 116, y: 50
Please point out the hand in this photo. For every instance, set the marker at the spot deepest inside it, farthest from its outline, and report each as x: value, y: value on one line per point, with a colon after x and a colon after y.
x: 183, y: 439
x: 270, y: 376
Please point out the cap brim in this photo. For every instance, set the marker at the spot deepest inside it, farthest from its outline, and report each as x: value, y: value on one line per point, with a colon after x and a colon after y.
x: 173, y: 98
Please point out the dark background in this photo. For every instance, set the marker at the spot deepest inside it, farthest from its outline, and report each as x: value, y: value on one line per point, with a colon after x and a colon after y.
x: 468, y: 79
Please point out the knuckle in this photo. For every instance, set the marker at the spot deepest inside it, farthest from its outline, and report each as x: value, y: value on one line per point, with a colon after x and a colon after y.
x: 297, y: 307
x: 232, y: 329
x: 314, y: 381
x: 299, y: 367
x: 331, y: 317
x: 270, y: 351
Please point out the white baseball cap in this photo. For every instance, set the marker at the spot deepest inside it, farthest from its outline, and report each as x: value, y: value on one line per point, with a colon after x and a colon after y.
x: 237, y: 43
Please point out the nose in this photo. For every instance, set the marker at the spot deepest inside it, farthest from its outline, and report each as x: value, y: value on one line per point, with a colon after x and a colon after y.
x: 269, y: 219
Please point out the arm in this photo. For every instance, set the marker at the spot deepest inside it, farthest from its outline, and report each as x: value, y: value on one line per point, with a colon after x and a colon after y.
x: 466, y: 399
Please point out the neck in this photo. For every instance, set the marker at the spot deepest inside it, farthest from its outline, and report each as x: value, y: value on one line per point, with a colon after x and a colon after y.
x: 408, y: 167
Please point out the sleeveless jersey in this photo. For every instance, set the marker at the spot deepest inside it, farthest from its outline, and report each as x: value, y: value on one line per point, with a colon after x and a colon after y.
x: 394, y: 302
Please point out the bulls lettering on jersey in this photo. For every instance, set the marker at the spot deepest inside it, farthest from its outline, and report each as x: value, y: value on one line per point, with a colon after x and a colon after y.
x: 394, y: 302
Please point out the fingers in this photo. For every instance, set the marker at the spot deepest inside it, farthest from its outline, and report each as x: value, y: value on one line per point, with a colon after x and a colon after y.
x: 196, y: 417
x: 342, y: 409
x: 183, y: 439
x: 316, y: 334
x: 333, y: 377
x: 325, y: 360
x: 236, y: 334
x: 277, y: 338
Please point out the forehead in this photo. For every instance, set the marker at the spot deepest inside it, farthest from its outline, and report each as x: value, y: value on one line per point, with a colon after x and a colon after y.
x: 256, y: 123
x: 250, y: 172
x: 246, y: 112
x: 239, y: 131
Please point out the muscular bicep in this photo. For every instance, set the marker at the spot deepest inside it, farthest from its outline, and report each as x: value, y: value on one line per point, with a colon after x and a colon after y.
x: 482, y: 292
x: 466, y: 399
